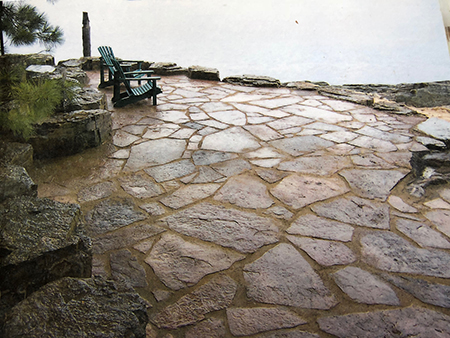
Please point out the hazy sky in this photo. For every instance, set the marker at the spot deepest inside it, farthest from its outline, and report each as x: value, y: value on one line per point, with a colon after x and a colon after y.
x: 338, y: 41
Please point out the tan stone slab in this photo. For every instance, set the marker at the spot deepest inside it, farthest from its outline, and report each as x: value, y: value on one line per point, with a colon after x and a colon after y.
x: 364, y: 287
x: 326, y: 253
x: 299, y: 191
x: 180, y: 264
x: 282, y: 276
x: 245, y: 191
x: 313, y: 226
x: 189, y: 194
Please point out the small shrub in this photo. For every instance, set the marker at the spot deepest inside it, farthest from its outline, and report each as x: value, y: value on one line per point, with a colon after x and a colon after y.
x: 32, y: 102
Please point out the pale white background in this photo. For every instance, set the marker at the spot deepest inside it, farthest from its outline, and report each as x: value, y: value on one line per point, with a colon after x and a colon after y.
x: 337, y: 41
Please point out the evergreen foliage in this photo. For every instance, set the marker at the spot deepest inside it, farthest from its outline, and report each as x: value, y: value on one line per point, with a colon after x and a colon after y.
x: 24, y: 25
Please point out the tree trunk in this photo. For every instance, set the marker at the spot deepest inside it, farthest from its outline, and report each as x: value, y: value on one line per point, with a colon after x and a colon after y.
x: 86, y: 35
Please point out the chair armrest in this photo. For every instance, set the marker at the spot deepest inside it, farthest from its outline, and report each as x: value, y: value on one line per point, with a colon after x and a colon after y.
x: 141, y: 79
x: 138, y: 72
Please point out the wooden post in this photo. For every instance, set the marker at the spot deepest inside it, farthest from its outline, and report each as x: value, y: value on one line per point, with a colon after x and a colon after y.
x: 86, y: 35
x: 1, y: 29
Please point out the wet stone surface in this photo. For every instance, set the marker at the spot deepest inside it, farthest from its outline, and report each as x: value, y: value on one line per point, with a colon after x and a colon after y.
x: 267, y: 212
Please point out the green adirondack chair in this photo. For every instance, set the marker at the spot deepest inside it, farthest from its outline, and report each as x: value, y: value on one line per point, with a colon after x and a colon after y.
x: 106, y: 65
x: 132, y: 94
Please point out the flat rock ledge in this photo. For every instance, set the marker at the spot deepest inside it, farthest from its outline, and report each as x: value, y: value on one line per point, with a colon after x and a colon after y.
x: 70, y: 133
x: 72, y: 307
x: 253, y: 81
x: 167, y: 68
x: 42, y: 241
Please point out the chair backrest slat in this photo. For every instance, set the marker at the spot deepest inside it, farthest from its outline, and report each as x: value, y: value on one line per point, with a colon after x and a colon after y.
x: 121, y: 74
x: 107, y: 54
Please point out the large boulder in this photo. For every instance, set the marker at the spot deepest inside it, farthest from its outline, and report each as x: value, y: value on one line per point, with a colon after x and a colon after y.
x: 41, y: 240
x: 73, y: 307
x: 14, y: 182
x: 70, y: 133
x: 15, y: 153
x: 203, y: 73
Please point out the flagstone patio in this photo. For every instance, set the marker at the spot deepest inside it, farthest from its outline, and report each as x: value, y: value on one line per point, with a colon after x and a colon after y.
x: 242, y: 211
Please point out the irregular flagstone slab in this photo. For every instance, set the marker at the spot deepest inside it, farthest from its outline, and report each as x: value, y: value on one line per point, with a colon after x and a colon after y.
x: 240, y: 230
x: 206, y: 175
x: 153, y: 208
x: 179, y: 263
x: 382, y: 135
x: 125, y: 265
x: 140, y: 186
x: 430, y: 293
x: 154, y: 152
x: 206, y: 157
x: 171, y: 171
x: 279, y: 212
x: 299, y: 191
x: 313, y: 226
x: 249, y: 321
x: 372, y: 183
x: 370, y: 161
x: 189, y: 194
x: 216, y: 106
x: 288, y: 122
x: 326, y: 253
x: 263, y: 132
x: 282, y: 276
x: 233, y: 117
x: 389, y: 252
x: 400, y: 205
x: 322, y: 115
x: 323, y: 165
x: 96, y: 192
x: 248, y: 109
x: 288, y: 334
x: 441, y: 219
x: 340, y: 136
x: 398, y: 158
x: 264, y: 153
x: 271, y: 175
x: 373, y: 144
x: 123, y: 139
x: 277, y: 103
x: 437, y: 203
x: 266, y: 163
x: 407, y: 322
x: 209, y: 328
x: 124, y: 237
x: 160, y: 131
x: 121, y: 154
x: 245, y: 191
x: 233, y: 167
x: 324, y: 126
x: 355, y: 210
x: 235, y: 140
x: 363, y: 287
x: 435, y: 127
x: 215, y: 295
x: 422, y: 234
x: 299, y: 145
x: 112, y: 214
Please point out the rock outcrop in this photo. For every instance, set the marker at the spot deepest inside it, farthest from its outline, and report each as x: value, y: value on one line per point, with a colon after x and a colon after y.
x: 253, y: 81
x: 41, y: 240
x: 72, y: 307
x: 70, y: 133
